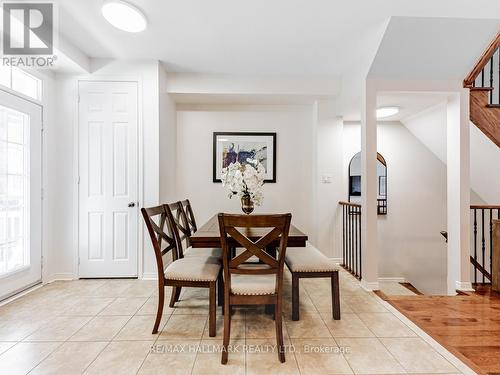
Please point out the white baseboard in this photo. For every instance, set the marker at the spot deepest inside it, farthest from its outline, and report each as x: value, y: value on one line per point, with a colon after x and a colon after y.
x: 150, y: 276
x: 337, y: 260
x: 464, y: 286
x: 370, y: 286
x: 393, y: 279
x: 20, y: 294
x: 59, y: 277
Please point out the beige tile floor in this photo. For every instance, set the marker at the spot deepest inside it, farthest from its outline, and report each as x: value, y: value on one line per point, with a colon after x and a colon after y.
x: 393, y: 288
x: 104, y: 327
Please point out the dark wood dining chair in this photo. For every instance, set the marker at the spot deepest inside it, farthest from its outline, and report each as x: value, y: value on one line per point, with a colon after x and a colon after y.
x: 188, y: 210
x: 183, y: 231
x: 177, y: 272
x: 187, y: 227
x: 253, y: 284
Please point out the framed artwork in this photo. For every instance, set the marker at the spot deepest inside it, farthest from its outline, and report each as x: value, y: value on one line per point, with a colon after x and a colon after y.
x: 230, y: 147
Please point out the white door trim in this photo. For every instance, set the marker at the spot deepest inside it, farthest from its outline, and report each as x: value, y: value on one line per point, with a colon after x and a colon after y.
x: 76, y: 164
x: 39, y: 104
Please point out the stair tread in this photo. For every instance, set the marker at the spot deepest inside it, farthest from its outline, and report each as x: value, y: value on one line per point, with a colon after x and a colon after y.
x: 481, y: 88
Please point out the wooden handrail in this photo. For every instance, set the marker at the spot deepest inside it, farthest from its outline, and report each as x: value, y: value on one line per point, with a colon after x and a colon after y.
x: 485, y: 206
x: 481, y: 63
x: 342, y: 203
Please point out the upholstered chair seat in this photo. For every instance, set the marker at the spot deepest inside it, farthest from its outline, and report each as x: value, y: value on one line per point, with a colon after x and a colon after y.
x: 253, y: 285
x: 192, y: 270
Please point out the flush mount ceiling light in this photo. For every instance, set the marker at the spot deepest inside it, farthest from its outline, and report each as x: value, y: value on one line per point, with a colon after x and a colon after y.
x: 124, y: 16
x: 384, y: 112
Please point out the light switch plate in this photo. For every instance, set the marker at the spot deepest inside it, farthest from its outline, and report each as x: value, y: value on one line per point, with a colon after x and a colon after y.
x: 326, y: 179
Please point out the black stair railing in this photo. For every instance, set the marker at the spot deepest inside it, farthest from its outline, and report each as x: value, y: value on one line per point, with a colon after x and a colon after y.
x: 351, y: 238
x: 482, y: 217
x: 489, y: 77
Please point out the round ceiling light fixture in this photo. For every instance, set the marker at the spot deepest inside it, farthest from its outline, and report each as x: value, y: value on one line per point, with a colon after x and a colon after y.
x: 124, y: 16
x: 384, y: 112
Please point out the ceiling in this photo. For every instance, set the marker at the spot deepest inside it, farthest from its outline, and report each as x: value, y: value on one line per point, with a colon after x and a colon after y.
x: 284, y: 38
x: 318, y: 37
x: 409, y: 103
x: 419, y: 48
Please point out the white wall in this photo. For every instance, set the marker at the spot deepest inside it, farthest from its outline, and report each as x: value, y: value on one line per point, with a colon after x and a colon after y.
x: 328, y: 179
x: 429, y: 127
x: 168, y: 141
x: 62, y: 159
x: 293, y: 188
x: 409, y: 242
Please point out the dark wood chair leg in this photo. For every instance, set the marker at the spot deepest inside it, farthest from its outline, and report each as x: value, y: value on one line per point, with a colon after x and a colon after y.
x: 335, y: 296
x: 278, y: 317
x: 220, y: 290
x: 174, y: 297
x: 295, y: 297
x: 159, y: 312
x: 212, y: 310
x: 227, y: 330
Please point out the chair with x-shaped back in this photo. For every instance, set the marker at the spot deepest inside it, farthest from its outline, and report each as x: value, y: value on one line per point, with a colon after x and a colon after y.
x: 253, y: 284
x: 177, y: 272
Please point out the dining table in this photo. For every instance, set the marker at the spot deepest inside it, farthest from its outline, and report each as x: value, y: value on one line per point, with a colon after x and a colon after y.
x: 208, y: 236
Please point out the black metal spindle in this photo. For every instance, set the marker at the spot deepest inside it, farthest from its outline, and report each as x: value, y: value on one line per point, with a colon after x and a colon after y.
x: 482, y: 78
x: 352, y: 239
x: 355, y: 242
x: 343, y: 236
x: 360, y: 248
x: 475, y: 245
x: 483, y: 245
x: 349, y: 230
x: 491, y: 80
x: 346, y: 237
x: 491, y: 238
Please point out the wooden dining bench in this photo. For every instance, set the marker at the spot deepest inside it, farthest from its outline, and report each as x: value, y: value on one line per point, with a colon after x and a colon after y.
x: 309, y: 262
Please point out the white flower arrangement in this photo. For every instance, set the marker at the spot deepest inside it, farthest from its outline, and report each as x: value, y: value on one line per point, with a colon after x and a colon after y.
x: 245, y: 179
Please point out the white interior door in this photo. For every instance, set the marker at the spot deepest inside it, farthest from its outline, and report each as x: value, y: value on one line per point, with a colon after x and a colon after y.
x: 20, y: 194
x: 108, y: 188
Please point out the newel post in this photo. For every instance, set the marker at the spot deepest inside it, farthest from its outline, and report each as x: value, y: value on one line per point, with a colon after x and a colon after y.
x: 495, y: 257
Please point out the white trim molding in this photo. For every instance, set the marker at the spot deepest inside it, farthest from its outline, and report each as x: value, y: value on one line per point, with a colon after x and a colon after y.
x: 149, y: 276
x: 60, y: 277
x: 370, y: 286
x: 464, y: 286
x: 393, y: 279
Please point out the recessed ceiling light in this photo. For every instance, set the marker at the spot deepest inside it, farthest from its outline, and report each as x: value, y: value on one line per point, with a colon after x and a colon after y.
x: 124, y: 16
x: 384, y: 112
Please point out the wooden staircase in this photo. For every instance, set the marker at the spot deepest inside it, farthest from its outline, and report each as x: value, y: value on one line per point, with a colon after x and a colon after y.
x: 483, y: 82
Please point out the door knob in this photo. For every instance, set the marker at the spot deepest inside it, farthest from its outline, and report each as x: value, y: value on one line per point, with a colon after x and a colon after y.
x: 131, y: 204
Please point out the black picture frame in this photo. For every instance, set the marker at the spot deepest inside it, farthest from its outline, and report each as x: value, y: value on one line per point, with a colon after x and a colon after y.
x: 217, y: 135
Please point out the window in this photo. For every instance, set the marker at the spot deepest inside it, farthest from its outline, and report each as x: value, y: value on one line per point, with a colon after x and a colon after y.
x: 14, y: 190
x: 21, y: 81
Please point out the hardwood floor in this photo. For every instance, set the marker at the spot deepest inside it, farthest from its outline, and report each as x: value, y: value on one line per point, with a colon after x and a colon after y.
x: 466, y: 325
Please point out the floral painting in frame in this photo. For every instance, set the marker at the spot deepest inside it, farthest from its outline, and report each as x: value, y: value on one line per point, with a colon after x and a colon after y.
x: 232, y: 147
